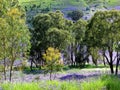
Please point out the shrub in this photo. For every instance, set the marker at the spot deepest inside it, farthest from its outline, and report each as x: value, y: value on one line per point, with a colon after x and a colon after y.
x: 52, y: 60
x: 75, y: 15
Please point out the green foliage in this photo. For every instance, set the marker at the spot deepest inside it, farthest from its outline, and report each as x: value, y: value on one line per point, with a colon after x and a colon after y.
x: 103, y: 28
x: 19, y: 35
x: 4, y: 42
x: 46, y: 28
x: 58, y: 38
x: 78, y: 30
x: 6, y: 4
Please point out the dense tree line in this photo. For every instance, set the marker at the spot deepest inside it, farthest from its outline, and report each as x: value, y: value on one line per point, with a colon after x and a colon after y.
x: 80, y: 39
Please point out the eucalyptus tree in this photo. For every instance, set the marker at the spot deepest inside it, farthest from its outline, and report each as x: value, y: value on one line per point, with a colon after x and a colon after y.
x: 104, y: 32
x: 5, y: 5
x: 78, y: 32
x: 14, y: 33
x: 50, y: 29
x: 19, y: 36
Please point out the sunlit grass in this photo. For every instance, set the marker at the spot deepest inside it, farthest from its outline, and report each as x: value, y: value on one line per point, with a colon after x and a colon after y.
x: 104, y: 83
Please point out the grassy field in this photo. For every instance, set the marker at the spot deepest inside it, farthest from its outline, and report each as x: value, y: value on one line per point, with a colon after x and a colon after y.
x: 102, y: 83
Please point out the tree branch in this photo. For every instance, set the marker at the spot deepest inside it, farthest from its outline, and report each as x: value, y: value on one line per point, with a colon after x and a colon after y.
x: 106, y: 58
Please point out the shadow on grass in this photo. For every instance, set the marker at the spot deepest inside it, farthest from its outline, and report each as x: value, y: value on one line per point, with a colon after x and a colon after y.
x: 93, y: 66
x: 34, y: 70
x: 88, y: 66
x: 77, y: 77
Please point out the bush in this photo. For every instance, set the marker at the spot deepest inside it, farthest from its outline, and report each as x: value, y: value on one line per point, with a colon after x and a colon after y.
x: 52, y: 60
x: 75, y: 15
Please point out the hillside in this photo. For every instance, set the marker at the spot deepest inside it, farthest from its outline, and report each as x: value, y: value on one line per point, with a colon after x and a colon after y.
x: 89, y: 7
x: 68, y: 5
x: 61, y: 3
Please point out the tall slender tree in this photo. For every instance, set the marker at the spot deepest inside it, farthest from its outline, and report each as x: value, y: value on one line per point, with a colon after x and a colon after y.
x: 15, y: 37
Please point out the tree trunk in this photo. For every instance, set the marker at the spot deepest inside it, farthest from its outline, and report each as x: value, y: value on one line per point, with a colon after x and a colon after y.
x: 4, y: 58
x: 51, y: 73
x: 117, y: 63
x: 104, y: 61
x: 11, y: 67
x: 116, y: 71
x: 72, y: 54
x: 111, y: 61
x: 94, y: 61
x: 31, y: 65
x: 4, y: 68
x: 111, y: 68
x: 104, y: 58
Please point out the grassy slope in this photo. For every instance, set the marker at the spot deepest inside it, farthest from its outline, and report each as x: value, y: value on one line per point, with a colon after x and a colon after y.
x: 52, y: 2
x: 62, y: 2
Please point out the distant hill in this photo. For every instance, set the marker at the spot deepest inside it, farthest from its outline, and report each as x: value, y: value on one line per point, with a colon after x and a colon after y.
x: 89, y: 7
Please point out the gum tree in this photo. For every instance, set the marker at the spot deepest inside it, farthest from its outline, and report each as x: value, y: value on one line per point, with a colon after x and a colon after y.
x: 19, y: 36
x: 49, y: 30
x: 5, y: 6
x: 104, y: 32
x: 14, y: 38
x: 78, y: 33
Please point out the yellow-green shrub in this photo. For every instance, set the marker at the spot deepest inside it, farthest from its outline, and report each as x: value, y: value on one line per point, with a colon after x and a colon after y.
x: 52, y: 59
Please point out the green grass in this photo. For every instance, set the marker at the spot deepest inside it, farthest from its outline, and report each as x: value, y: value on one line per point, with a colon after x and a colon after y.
x: 49, y: 85
x: 94, y: 85
x: 104, y: 83
x: 20, y: 86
